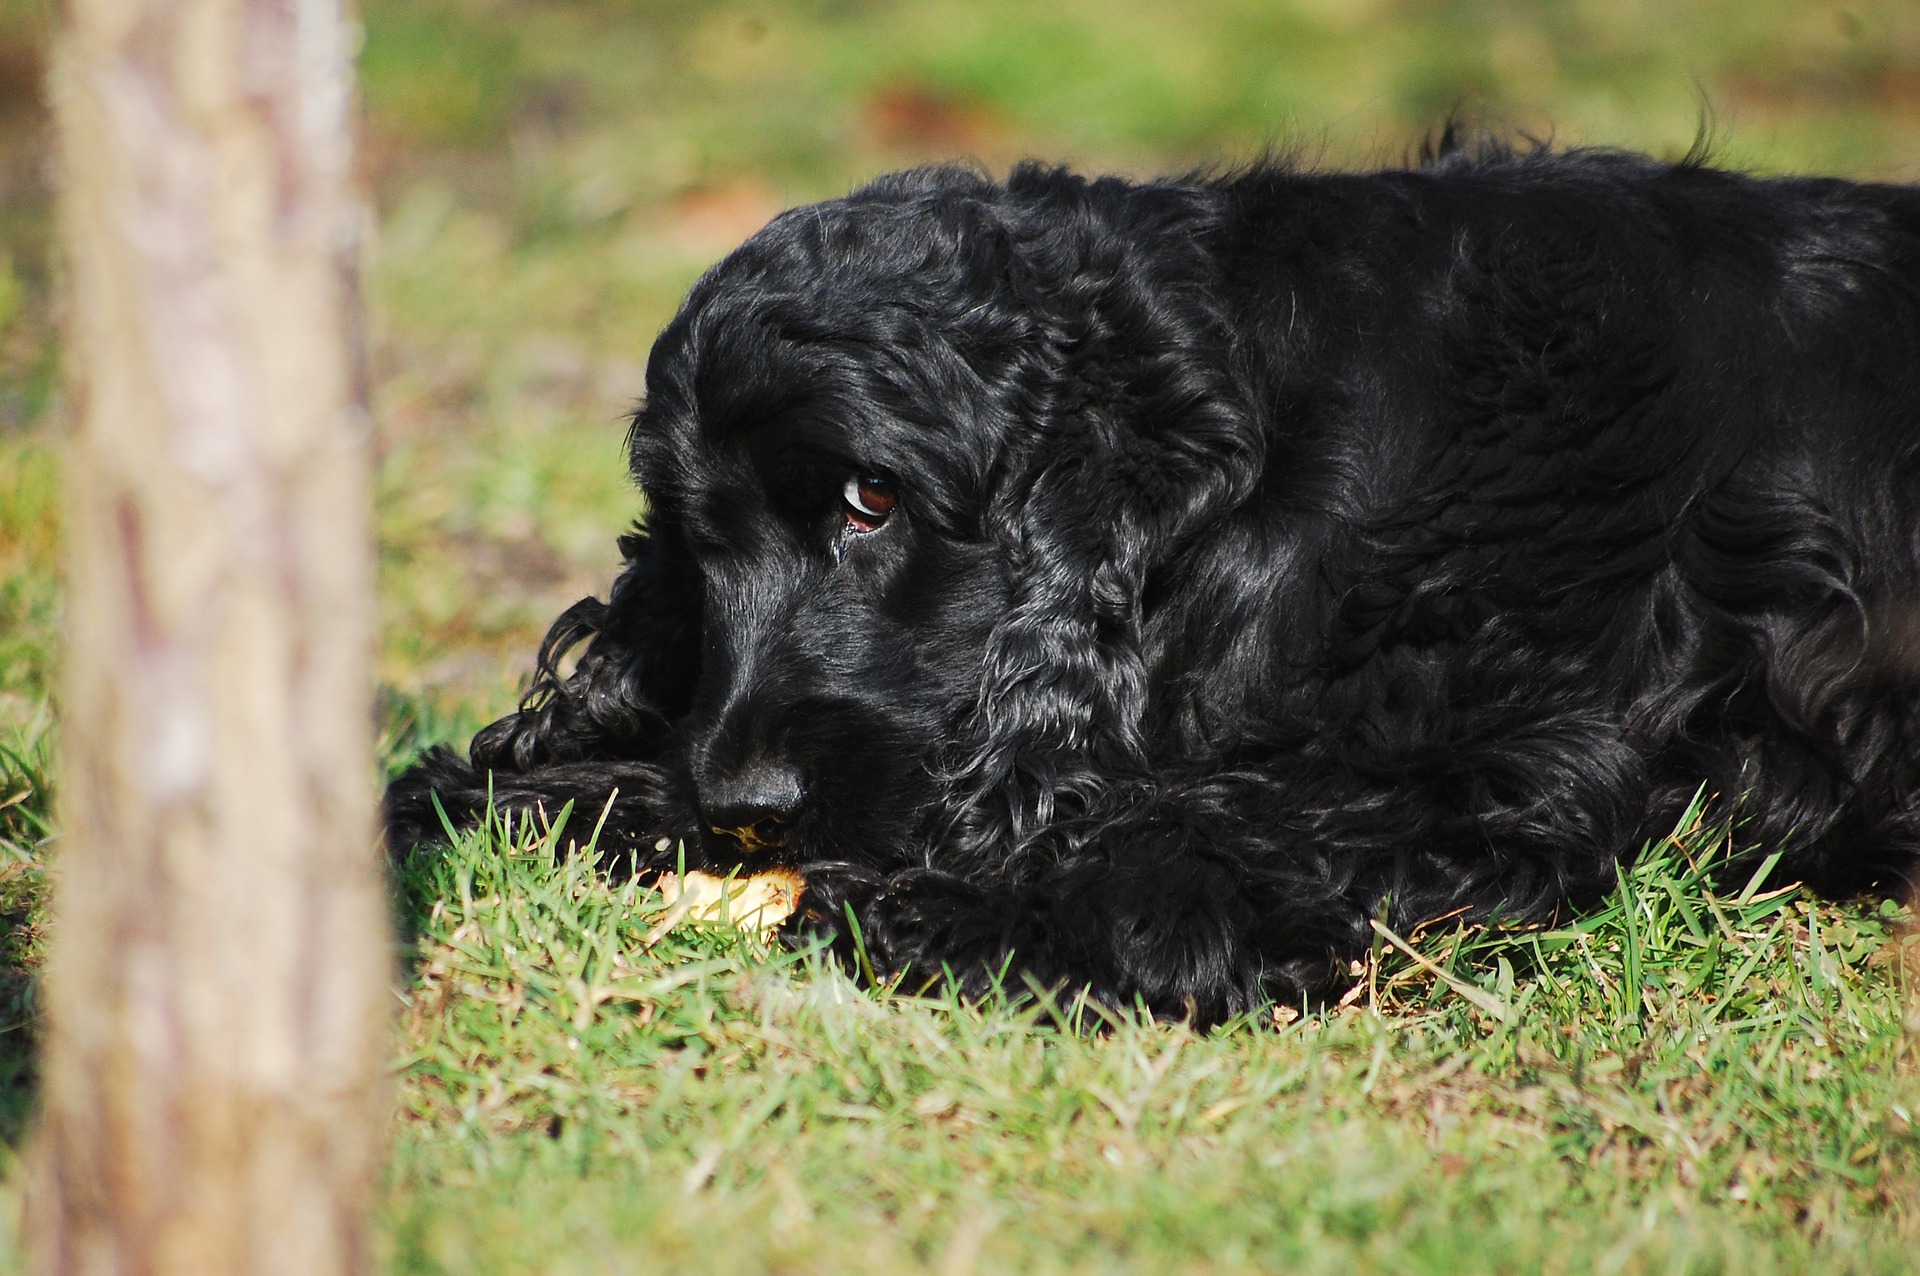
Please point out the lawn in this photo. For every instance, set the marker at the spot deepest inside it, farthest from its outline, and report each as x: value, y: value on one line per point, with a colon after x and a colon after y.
x: 1708, y: 1074
x: 1687, y: 1080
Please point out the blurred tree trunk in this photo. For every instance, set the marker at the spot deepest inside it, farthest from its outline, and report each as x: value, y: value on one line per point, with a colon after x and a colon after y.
x: 216, y: 1030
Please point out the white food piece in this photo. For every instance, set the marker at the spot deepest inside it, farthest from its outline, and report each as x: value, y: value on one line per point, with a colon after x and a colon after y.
x: 758, y: 903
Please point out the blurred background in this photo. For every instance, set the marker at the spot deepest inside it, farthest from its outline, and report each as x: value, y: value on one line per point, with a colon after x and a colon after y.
x: 550, y: 176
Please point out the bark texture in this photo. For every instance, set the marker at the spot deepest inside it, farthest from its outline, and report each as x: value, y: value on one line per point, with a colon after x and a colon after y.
x: 219, y: 966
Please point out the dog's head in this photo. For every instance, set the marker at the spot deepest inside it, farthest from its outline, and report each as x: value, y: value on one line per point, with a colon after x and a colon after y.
x: 927, y: 446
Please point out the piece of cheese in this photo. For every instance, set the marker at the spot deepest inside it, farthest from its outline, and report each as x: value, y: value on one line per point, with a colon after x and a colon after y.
x: 758, y: 903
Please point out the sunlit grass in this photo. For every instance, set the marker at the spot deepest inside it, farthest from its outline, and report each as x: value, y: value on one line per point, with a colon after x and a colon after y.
x: 29, y: 595
x: 1696, y: 1077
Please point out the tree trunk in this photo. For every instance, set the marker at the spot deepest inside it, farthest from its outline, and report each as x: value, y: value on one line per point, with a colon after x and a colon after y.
x: 220, y: 954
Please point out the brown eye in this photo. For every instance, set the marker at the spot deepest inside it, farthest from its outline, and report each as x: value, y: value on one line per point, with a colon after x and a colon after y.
x: 869, y: 500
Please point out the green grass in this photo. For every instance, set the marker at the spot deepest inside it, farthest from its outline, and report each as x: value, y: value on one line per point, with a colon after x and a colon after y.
x: 1692, y: 1079
x: 29, y: 604
x: 1696, y: 1078
x: 26, y: 831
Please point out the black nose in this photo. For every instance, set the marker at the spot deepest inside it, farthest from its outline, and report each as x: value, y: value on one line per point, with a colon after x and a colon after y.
x: 755, y: 805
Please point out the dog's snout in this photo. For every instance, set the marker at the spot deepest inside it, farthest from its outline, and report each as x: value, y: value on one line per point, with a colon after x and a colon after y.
x: 755, y: 805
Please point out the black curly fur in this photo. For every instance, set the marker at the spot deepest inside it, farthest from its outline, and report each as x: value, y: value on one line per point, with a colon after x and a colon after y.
x: 1272, y: 548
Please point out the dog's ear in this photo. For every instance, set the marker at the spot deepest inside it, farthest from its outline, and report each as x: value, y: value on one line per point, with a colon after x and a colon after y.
x: 1140, y: 438
x: 635, y: 678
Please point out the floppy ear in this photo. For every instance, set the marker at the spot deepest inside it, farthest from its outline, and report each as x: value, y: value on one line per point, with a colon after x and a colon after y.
x: 1142, y: 438
x: 635, y: 678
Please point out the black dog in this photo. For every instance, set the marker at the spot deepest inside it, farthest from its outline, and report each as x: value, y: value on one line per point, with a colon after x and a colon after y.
x: 1138, y: 586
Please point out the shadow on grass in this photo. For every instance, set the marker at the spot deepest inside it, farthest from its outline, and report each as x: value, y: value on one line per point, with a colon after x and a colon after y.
x: 26, y: 831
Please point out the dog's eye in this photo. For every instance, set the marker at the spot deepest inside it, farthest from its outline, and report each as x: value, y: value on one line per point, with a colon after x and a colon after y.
x: 869, y: 500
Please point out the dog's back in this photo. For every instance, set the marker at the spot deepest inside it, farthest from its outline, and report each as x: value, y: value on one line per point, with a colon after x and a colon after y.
x: 1610, y: 470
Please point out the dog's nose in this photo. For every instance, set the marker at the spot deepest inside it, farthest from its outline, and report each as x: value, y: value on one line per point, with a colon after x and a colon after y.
x: 754, y: 806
